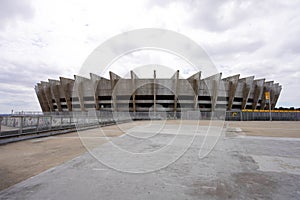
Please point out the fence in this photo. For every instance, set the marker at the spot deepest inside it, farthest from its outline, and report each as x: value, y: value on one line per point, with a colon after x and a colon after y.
x: 54, y: 121
x: 18, y: 124
x: 263, y: 115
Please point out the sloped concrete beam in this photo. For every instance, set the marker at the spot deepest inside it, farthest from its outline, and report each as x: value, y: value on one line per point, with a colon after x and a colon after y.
x: 97, y: 77
x: 114, y: 79
x: 195, y: 76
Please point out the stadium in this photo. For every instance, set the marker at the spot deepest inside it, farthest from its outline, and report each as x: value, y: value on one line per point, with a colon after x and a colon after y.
x: 175, y: 94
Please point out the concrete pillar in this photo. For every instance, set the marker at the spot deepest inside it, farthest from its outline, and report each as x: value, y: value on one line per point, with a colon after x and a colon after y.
x: 257, y: 93
x: 80, y: 96
x: 232, y: 82
x: 154, y: 91
x: 95, y: 82
x: 67, y: 86
x: 83, y: 86
x: 42, y: 98
x: 133, y: 78
x: 114, y: 79
x: 277, y: 90
x: 212, y: 84
x: 196, y: 90
x: 48, y: 95
x: 175, y: 77
x: 194, y: 81
x: 248, y: 83
x: 39, y: 97
x: 267, y: 88
x: 263, y: 99
x: 54, y: 86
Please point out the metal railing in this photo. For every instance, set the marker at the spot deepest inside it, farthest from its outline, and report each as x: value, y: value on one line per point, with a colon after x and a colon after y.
x: 24, y: 124
x: 262, y: 116
x: 20, y: 124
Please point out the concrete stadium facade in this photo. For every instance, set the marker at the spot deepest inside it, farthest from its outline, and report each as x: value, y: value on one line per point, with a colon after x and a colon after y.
x: 175, y: 94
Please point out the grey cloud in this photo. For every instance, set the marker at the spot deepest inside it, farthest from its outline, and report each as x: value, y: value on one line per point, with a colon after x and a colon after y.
x: 222, y: 15
x: 205, y: 14
x: 38, y: 42
x: 25, y: 74
x: 161, y: 3
x: 18, y: 102
x: 291, y: 46
x: 11, y: 10
x: 17, y: 81
x: 234, y: 46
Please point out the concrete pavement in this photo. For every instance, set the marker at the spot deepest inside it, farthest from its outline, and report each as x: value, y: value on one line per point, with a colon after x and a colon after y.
x: 238, y: 167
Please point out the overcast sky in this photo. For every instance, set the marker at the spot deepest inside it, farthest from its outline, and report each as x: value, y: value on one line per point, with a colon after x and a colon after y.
x: 41, y: 40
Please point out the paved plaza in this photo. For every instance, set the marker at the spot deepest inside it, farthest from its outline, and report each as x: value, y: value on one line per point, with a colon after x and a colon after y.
x: 165, y: 160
